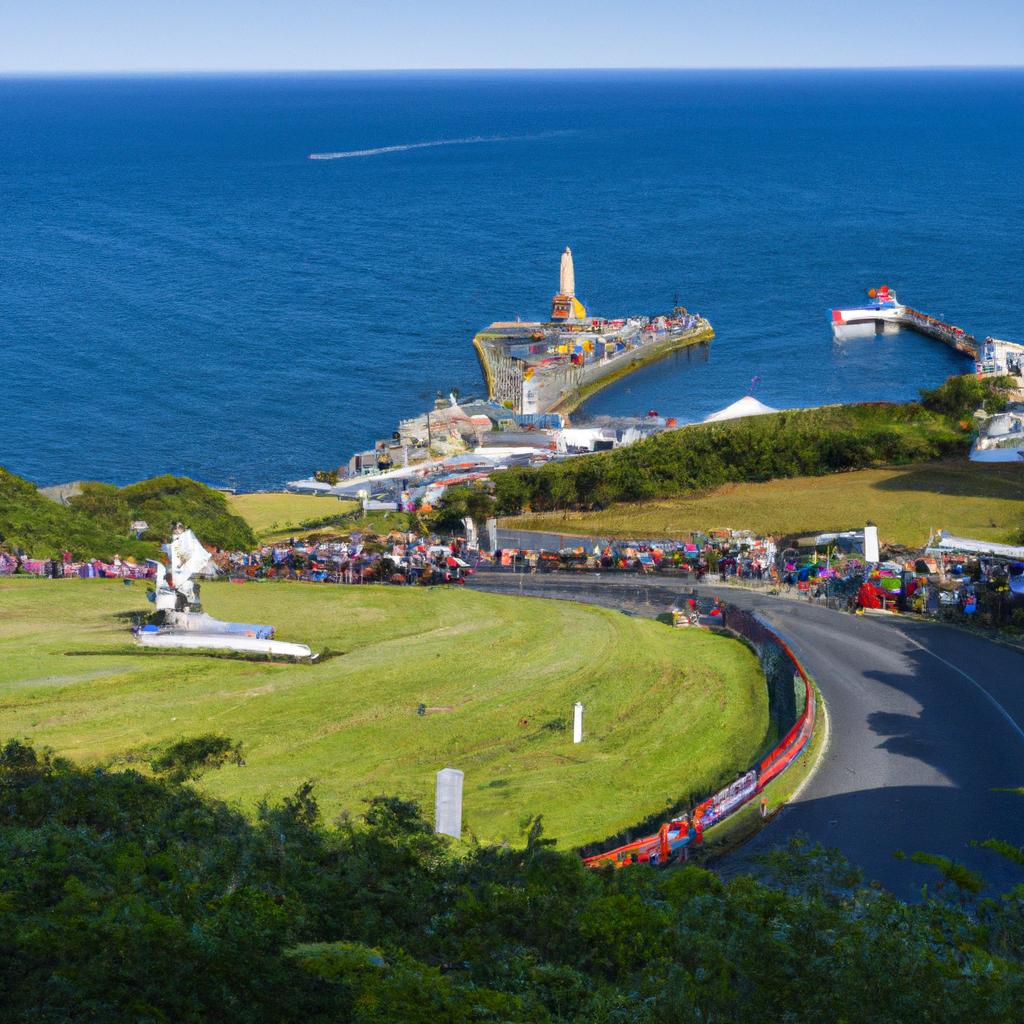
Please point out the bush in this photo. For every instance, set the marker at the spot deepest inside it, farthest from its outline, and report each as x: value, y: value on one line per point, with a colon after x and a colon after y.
x: 797, y: 443
x: 188, y: 759
x: 127, y: 898
x: 95, y: 523
x: 462, y: 502
x: 959, y: 397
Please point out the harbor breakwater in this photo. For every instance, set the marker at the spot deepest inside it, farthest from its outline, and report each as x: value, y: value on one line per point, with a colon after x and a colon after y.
x: 594, y: 379
x: 564, y: 386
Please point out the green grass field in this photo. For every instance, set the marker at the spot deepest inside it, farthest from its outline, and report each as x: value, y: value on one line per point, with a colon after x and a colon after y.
x: 967, y: 498
x: 668, y: 712
x: 275, y: 512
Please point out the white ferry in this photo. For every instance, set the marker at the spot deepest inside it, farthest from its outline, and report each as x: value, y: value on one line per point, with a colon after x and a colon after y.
x: 882, y: 315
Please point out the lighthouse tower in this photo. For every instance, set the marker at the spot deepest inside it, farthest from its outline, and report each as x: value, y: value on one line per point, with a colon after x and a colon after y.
x: 565, y: 305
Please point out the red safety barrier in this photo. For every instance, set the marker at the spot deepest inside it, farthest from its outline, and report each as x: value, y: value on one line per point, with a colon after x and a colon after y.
x: 794, y: 741
x: 672, y: 835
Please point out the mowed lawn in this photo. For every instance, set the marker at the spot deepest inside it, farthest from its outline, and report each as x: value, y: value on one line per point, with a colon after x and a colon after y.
x: 278, y: 511
x: 668, y: 712
x: 971, y: 499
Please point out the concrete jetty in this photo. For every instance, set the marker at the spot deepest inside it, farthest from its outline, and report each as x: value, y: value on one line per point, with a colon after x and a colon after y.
x: 555, y: 365
x: 948, y: 334
x: 884, y: 314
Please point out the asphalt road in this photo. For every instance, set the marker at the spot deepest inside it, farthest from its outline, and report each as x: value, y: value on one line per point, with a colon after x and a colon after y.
x: 926, y: 727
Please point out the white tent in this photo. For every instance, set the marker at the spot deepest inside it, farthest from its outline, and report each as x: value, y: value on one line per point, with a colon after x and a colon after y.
x: 746, y: 406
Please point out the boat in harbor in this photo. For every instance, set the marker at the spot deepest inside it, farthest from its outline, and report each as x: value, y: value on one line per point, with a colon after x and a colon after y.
x: 536, y: 367
x: 885, y: 314
x: 882, y: 315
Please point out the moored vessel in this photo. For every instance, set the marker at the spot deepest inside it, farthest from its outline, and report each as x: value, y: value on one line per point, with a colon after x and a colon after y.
x: 882, y: 315
x: 885, y: 314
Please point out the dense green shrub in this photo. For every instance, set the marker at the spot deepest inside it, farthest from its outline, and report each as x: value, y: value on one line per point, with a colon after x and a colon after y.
x: 124, y: 898
x: 42, y: 528
x: 959, y: 397
x: 803, y: 442
x: 95, y: 523
x: 190, y: 758
x: 162, y: 502
x: 462, y: 502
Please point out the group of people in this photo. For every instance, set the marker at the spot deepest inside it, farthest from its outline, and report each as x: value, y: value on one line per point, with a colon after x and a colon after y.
x: 396, y: 558
x: 64, y: 566
x: 725, y: 552
x: 358, y: 559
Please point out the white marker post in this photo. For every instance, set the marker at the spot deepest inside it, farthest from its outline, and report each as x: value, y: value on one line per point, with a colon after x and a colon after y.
x: 871, y: 553
x: 448, y: 803
x: 577, y: 722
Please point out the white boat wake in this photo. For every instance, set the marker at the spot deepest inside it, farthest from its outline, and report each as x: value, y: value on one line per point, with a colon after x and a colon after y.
x: 380, y: 150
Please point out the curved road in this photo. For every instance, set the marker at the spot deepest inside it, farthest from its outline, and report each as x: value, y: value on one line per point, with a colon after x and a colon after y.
x: 926, y: 726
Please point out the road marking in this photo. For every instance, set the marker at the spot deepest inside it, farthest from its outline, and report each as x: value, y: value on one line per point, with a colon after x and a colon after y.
x: 999, y: 707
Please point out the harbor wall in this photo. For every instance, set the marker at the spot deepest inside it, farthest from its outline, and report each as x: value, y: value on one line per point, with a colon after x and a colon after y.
x: 565, y: 389
x: 597, y: 376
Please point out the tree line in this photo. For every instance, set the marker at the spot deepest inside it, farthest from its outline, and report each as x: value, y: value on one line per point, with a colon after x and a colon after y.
x: 806, y: 442
x: 128, y: 896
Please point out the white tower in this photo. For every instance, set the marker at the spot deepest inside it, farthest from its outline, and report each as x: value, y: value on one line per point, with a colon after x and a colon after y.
x: 567, y: 275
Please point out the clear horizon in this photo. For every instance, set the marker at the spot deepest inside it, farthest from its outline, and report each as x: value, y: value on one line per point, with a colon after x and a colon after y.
x: 139, y: 37
x: 256, y: 72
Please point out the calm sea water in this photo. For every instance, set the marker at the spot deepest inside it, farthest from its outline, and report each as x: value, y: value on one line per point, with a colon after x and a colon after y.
x: 183, y: 290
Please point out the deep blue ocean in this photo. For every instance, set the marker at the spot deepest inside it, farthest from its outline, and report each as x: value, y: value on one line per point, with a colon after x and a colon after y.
x: 182, y: 290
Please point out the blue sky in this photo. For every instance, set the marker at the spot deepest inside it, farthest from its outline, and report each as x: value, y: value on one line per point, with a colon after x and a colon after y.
x: 240, y: 35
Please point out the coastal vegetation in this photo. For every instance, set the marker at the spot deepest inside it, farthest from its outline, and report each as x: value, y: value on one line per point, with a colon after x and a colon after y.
x: 974, y: 499
x: 805, y: 442
x: 410, y: 680
x: 161, y: 502
x: 126, y: 897
x: 42, y: 528
x: 95, y: 523
x: 959, y: 397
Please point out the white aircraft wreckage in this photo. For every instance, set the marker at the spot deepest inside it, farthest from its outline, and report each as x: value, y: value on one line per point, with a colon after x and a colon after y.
x: 181, y: 622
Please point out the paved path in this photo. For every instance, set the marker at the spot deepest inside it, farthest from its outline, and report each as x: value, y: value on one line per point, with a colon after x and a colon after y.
x: 927, y: 724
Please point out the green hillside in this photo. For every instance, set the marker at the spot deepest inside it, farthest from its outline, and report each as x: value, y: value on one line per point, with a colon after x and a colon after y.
x: 973, y: 499
x: 42, y: 528
x: 95, y: 523
x: 163, y: 501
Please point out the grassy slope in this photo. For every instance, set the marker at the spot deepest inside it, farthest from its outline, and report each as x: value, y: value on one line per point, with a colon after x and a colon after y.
x: 163, y: 501
x: 274, y: 512
x: 974, y: 499
x: 304, y: 521
x: 668, y: 712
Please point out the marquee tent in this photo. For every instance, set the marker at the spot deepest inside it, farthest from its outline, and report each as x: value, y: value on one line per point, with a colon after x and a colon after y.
x: 746, y: 406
